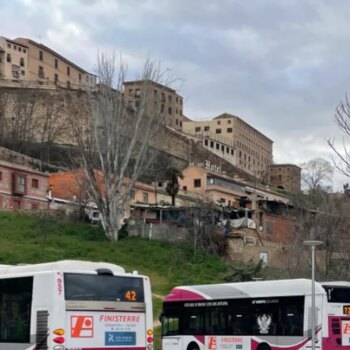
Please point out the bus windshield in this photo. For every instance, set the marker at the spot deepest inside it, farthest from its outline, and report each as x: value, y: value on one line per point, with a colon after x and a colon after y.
x: 337, y: 294
x: 103, y: 288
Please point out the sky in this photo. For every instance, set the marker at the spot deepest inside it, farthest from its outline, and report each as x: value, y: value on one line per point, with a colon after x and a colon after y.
x: 282, y: 66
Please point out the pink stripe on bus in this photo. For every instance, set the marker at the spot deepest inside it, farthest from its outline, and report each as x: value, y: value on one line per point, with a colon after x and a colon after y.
x: 178, y: 294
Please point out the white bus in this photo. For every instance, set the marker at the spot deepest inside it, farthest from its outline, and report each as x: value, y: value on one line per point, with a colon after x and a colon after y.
x: 264, y: 315
x: 74, y: 305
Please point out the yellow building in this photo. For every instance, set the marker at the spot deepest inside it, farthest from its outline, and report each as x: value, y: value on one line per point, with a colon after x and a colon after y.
x: 45, y: 66
x: 253, y: 150
x: 160, y: 98
x: 13, y: 60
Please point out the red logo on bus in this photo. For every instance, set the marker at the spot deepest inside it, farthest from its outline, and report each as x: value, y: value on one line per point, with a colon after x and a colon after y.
x: 212, y: 343
x: 82, y: 326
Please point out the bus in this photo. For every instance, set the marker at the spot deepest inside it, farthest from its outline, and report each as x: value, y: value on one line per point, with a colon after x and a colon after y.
x: 259, y: 315
x: 74, y: 305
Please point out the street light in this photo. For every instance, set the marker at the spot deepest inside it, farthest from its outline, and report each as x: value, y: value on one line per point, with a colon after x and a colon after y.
x: 313, y: 245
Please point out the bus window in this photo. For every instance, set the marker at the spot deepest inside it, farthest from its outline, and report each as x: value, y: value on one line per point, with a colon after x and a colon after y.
x: 338, y: 294
x: 216, y: 321
x: 239, y: 320
x: 193, y: 322
x: 291, y: 316
x: 264, y: 318
x: 15, y: 304
x: 103, y: 287
x: 170, y: 325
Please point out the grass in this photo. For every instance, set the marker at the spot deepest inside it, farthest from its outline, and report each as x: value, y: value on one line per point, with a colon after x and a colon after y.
x: 34, y: 239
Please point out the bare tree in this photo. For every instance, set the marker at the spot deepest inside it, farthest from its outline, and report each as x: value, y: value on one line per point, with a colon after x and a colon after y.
x: 342, y: 120
x: 317, y: 173
x: 114, y: 138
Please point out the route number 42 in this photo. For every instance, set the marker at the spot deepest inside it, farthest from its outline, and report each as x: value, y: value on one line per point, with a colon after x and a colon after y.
x: 130, y: 295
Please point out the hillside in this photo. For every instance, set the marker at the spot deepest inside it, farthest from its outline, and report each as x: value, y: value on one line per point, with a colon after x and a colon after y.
x: 33, y: 239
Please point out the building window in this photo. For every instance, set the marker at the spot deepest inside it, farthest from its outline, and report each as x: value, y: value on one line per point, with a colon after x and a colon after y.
x: 35, y: 183
x: 8, y: 57
x: 87, y: 78
x: 229, y: 130
x: 0, y: 175
x: 180, y: 123
x: 15, y: 47
x: 68, y: 84
x: 56, y: 63
x: 41, y: 72
x: 169, y: 110
x: 218, y: 131
x: 212, y: 144
x: 137, y: 92
x: 9, y: 45
x: 162, y: 108
x: 56, y: 79
x: 217, y: 146
x: 21, y: 62
x: 232, y: 152
x: 23, y: 72
x: 68, y: 70
x: 79, y: 78
x: 197, y: 129
x: 145, y: 197
x: 155, y: 93
x: 206, y: 128
x: 169, y: 99
x: 197, y: 183
x: 41, y: 55
x: 229, y: 121
x: 219, y: 122
x: 222, y: 148
x: 19, y: 184
x: 227, y: 150
x: 184, y: 188
x: 24, y: 50
x: 206, y: 142
x: 177, y: 122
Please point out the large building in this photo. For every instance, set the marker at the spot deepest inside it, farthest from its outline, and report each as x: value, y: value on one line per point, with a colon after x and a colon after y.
x: 45, y: 66
x: 13, y: 60
x: 253, y: 149
x: 285, y: 176
x: 159, y: 97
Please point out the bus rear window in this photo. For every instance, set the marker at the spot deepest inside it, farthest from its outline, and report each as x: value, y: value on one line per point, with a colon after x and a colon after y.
x: 103, y: 288
x: 337, y: 294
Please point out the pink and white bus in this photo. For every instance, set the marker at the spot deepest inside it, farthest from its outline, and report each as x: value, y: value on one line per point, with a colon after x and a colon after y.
x: 74, y: 305
x: 263, y: 315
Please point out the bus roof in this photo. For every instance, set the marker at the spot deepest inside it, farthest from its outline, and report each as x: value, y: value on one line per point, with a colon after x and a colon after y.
x: 63, y: 265
x: 244, y: 290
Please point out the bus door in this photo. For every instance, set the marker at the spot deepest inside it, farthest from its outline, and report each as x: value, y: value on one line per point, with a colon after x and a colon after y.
x: 105, y: 311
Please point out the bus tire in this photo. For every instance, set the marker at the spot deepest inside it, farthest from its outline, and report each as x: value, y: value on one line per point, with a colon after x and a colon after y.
x: 264, y: 346
x: 193, y: 346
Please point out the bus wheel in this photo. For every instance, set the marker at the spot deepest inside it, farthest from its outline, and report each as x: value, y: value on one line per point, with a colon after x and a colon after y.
x: 263, y: 346
x: 193, y: 346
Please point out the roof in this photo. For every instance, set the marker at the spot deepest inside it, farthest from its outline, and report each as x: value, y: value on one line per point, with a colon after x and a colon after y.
x: 14, y: 42
x: 21, y: 168
x: 137, y: 82
x: 66, y: 185
x: 63, y: 265
x: 277, y: 288
x: 18, y: 40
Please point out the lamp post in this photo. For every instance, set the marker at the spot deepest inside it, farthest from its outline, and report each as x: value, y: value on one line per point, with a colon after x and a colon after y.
x: 313, y: 245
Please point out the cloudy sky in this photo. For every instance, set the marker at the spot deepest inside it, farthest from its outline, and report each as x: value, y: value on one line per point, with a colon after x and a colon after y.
x: 281, y: 65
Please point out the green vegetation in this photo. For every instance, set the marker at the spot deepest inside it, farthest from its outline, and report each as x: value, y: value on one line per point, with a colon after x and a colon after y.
x: 34, y: 239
